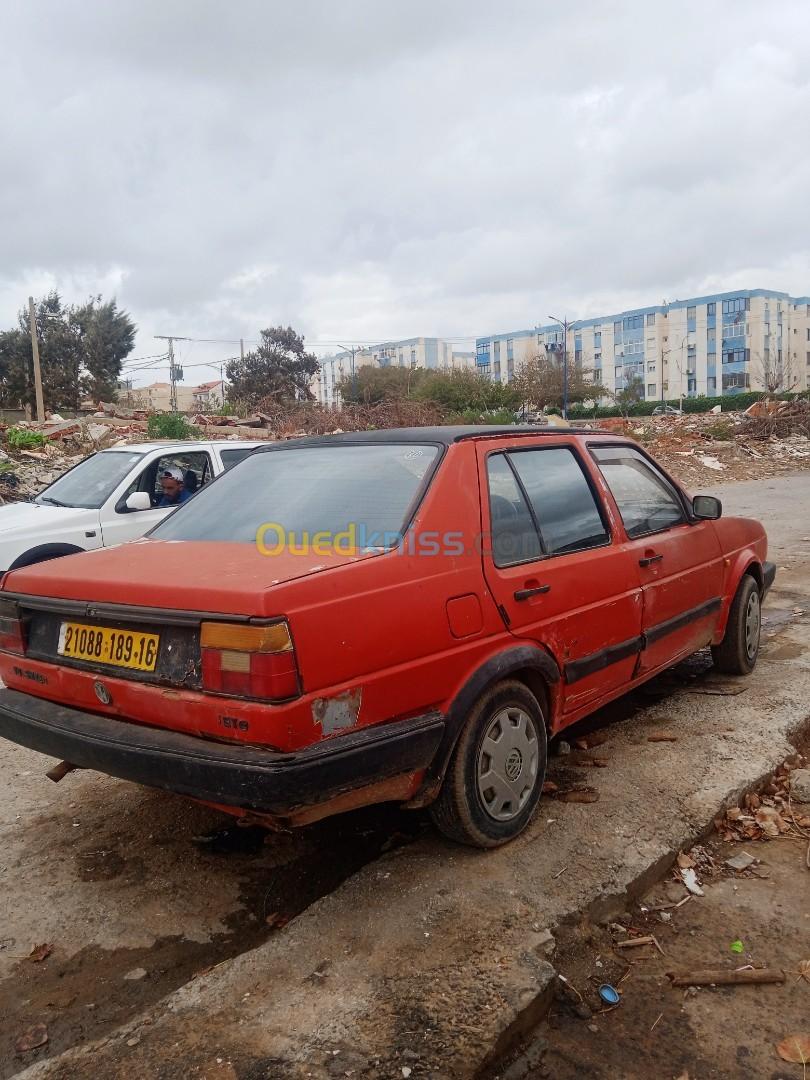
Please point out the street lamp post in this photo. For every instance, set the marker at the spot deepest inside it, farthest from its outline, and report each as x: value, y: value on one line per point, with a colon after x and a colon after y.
x: 566, y: 326
x: 352, y: 351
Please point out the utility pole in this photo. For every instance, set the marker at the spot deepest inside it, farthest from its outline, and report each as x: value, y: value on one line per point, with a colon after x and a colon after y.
x: 566, y: 326
x: 37, y: 371
x: 175, y: 372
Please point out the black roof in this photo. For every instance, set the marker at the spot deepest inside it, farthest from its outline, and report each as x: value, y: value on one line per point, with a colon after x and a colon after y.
x: 444, y: 435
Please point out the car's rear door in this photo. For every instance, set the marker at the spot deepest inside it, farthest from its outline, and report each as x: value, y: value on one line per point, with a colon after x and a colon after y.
x: 678, y: 562
x: 555, y: 568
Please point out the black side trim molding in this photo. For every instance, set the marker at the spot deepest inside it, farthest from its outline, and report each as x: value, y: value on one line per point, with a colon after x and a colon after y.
x: 612, y: 654
x: 655, y: 633
x: 244, y: 776
x: 589, y: 665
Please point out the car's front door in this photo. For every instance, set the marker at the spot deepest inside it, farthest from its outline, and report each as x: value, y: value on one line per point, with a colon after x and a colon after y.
x: 556, y: 572
x: 679, y: 563
x: 120, y: 524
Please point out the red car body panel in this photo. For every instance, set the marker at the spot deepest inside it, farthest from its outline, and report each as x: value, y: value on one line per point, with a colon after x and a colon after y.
x: 389, y: 638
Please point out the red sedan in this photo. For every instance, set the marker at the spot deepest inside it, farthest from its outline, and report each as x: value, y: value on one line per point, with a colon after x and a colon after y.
x: 401, y: 615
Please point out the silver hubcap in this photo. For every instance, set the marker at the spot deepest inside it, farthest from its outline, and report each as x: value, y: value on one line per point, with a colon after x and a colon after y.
x: 507, y: 763
x: 752, y: 625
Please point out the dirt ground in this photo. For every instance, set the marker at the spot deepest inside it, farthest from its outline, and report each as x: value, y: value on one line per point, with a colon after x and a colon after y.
x: 687, y: 1033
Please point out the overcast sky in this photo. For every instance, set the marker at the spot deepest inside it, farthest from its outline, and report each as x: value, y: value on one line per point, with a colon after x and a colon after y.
x: 372, y: 169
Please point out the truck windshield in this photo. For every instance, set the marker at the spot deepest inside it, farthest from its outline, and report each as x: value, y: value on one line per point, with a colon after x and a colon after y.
x: 90, y: 483
x: 369, y: 490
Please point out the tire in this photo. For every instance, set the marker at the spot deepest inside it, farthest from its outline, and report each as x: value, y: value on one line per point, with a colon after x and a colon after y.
x: 738, y: 651
x: 485, y: 815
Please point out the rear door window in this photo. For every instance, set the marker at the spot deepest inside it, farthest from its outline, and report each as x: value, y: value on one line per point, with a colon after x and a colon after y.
x: 561, y: 498
x: 234, y: 456
x: 646, y: 500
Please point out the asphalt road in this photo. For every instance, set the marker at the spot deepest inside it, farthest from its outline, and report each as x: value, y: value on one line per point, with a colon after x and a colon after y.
x: 135, y: 901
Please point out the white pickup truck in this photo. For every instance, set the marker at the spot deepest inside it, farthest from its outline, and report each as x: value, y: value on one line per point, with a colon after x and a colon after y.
x: 107, y: 499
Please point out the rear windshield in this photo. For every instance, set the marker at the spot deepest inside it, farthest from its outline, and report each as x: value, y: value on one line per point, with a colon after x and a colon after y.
x: 310, y: 490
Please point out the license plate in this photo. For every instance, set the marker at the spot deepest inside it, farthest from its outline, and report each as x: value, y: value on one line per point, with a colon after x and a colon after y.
x: 103, y: 645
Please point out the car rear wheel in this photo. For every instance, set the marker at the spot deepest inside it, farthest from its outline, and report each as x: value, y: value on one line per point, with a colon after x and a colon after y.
x: 738, y: 651
x: 496, y: 773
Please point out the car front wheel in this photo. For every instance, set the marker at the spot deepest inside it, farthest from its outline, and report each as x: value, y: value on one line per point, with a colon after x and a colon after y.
x: 738, y: 651
x: 495, y: 776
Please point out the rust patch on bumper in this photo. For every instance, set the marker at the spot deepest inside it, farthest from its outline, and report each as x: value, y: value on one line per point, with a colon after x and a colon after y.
x: 337, y: 713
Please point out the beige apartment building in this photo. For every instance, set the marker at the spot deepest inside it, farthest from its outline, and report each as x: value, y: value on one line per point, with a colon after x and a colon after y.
x: 715, y: 345
x: 418, y: 352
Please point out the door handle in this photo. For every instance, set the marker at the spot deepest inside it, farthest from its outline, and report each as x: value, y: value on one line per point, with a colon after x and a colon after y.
x: 524, y: 594
x: 650, y: 559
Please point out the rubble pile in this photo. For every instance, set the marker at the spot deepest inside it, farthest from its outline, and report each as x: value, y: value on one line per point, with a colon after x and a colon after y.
x: 705, y: 449
x: 283, y: 422
x: 771, y: 418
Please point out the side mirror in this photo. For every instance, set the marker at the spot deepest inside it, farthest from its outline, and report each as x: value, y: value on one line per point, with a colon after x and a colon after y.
x: 138, y: 500
x: 706, y: 507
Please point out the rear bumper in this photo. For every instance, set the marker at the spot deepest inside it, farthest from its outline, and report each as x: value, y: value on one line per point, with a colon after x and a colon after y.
x: 243, y: 776
x: 768, y: 577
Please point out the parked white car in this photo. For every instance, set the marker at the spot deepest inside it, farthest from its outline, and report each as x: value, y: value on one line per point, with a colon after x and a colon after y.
x: 108, y: 498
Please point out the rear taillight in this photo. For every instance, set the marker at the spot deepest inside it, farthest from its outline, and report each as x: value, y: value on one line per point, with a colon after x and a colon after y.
x: 249, y: 661
x: 12, y: 638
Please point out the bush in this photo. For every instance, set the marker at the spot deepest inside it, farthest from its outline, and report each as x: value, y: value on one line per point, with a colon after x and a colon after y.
x: 500, y: 417
x: 23, y: 439
x: 170, y: 426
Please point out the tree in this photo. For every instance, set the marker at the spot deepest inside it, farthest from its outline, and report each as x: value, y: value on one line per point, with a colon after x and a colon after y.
x: 371, y: 385
x: 775, y: 373
x: 540, y: 383
x: 467, y: 391
x: 81, y: 350
x: 630, y: 395
x: 106, y: 337
x: 279, y: 369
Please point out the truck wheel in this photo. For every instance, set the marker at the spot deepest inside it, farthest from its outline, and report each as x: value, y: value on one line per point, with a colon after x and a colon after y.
x: 496, y: 773
x: 738, y: 651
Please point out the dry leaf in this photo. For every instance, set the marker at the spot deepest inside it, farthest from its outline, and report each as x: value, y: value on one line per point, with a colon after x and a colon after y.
x: 770, y: 821
x: 684, y: 861
x: 795, y: 1048
x: 753, y: 801
x: 277, y: 920
x: 40, y: 952
x: 37, y: 1036
x: 733, y: 813
x: 804, y: 970
x: 549, y: 787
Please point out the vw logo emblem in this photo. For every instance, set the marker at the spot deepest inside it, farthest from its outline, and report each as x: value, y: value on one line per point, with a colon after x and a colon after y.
x: 102, y: 693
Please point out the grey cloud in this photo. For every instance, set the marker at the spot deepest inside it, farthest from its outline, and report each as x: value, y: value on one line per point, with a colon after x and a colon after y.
x: 372, y: 169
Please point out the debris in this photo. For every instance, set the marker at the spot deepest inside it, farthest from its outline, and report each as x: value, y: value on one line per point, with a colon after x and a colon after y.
x: 661, y: 737
x: 716, y: 691
x: 549, y: 787
x: 563, y: 748
x: 741, y: 861
x: 135, y: 974
x: 631, y: 943
x: 800, y: 785
x: 560, y: 873
x: 594, y: 738
x: 725, y: 977
x: 40, y: 952
x: 737, y: 946
x: 31, y: 1039
x: 277, y: 920
x: 690, y: 880
x: 406, y: 1070
x: 609, y: 994
x: 656, y: 1022
x: 684, y: 861
x: 795, y: 1048
x: 804, y: 970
